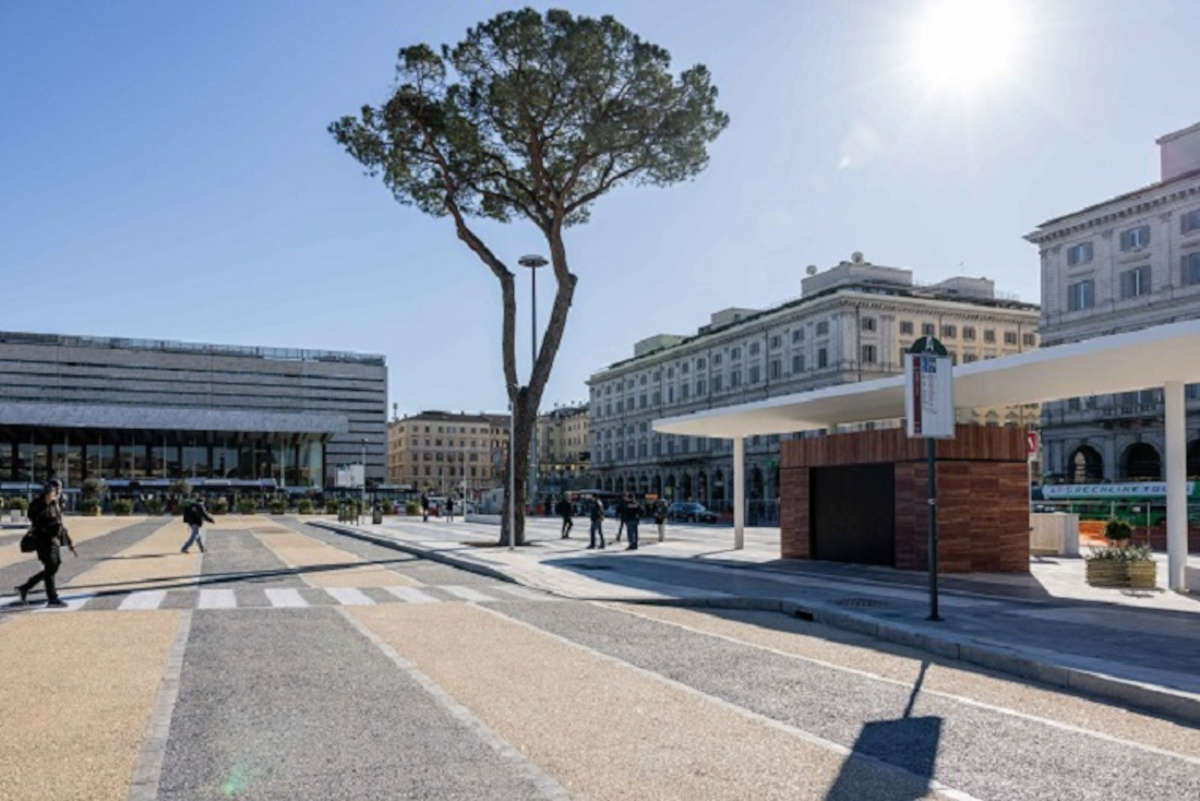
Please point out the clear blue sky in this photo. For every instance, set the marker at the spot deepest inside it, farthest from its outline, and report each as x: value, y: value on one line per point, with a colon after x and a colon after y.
x: 166, y: 173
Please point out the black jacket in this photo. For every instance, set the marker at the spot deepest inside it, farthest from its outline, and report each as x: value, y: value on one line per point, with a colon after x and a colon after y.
x: 563, y: 508
x: 596, y: 511
x: 194, y: 514
x: 48, y: 528
x: 630, y: 510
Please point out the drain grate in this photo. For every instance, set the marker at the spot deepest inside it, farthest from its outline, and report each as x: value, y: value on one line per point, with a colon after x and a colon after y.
x: 861, y: 603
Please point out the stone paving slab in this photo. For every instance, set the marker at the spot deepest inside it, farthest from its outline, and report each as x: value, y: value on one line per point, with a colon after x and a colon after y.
x: 1128, y: 666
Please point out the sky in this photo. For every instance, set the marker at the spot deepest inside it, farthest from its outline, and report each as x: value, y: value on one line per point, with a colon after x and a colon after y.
x: 166, y: 173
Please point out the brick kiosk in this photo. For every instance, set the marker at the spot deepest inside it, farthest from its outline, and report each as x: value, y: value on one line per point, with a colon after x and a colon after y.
x: 862, y: 497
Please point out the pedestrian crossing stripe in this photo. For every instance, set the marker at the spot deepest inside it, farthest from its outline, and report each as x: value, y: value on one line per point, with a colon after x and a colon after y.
x: 411, y: 594
x: 349, y: 596
x: 148, y: 599
x: 216, y: 599
x: 278, y: 597
x: 466, y: 593
x: 285, y: 598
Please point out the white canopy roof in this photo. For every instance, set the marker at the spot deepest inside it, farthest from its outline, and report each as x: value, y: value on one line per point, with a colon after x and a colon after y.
x: 1125, y: 362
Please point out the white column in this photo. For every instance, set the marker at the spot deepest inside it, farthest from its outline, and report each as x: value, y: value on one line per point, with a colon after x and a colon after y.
x: 739, y: 492
x: 1176, y: 470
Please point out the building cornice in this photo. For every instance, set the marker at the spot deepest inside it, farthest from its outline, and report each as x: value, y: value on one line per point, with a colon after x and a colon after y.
x: 839, y: 298
x: 1134, y: 204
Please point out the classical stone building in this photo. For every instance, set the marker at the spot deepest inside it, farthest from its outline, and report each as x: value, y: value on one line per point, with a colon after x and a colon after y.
x: 141, y: 412
x: 563, y: 456
x: 851, y: 323
x: 439, y: 451
x: 1126, y: 263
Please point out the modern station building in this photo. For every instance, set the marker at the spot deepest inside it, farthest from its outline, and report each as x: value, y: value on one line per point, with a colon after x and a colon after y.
x: 1124, y: 264
x: 142, y: 413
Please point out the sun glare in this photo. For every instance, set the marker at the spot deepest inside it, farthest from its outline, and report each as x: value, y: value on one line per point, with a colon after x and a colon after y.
x: 967, y: 45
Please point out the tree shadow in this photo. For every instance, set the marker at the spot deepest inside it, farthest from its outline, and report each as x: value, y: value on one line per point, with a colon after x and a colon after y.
x: 904, y: 750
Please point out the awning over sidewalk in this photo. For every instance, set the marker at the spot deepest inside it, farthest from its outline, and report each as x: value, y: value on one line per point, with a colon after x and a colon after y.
x: 1152, y: 357
x: 1165, y: 356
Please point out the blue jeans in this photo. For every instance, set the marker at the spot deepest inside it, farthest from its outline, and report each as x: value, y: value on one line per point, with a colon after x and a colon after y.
x: 631, y: 527
x: 597, y: 531
x: 196, y: 538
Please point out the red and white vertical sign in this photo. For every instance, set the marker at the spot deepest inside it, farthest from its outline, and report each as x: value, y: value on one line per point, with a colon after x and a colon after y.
x: 929, y: 395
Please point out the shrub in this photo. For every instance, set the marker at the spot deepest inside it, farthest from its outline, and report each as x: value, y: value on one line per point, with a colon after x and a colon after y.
x: 412, y: 508
x: 18, y: 503
x: 278, y: 506
x: 156, y: 506
x: 90, y: 507
x: 331, y: 507
x: 122, y: 507
x: 305, y: 507
x: 94, y: 488
x: 387, y: 508
x: 247, y: 505
x: 219, y: 507
x: 1137, y: 553
x: 1118, y: 530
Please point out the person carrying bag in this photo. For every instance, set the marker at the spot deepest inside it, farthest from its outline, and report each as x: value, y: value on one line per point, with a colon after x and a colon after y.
x: 47, y: 535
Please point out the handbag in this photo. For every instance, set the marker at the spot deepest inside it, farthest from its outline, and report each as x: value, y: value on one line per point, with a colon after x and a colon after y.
x: 28, y: 542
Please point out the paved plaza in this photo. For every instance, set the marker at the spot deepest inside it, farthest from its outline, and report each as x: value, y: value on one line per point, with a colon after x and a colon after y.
x: 292, y: 661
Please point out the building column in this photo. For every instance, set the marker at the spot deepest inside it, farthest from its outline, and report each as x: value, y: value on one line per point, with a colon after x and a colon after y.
x: 739, y: 492
x: 1176, y: 473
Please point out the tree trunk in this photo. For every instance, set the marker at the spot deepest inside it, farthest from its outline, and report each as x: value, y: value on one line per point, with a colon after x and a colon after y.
x: 519, y: 441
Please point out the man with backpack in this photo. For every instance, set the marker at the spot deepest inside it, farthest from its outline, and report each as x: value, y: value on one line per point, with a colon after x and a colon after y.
x: 596, y: 513
x: 48, y: 534
x: 194, y: 514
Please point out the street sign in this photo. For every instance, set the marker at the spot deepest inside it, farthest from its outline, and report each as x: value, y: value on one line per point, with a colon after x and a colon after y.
x: 929, y: 394
x: 929, y: 408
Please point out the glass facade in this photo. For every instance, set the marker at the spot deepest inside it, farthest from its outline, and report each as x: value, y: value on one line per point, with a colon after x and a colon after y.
x: 74, y: 455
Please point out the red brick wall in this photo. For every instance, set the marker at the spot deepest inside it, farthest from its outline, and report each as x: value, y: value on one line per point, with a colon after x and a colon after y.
x: 983, y: 501
x: 1157, y: 537
x: 794, y: 540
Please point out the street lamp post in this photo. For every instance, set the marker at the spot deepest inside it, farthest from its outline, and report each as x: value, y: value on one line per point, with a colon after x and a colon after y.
x: 364, y: 478
x: 533, y: 262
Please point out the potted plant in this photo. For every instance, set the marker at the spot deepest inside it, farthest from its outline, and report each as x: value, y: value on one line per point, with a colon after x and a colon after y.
x: 412, y: 508
x: 1118, y: 564
x: 305, y: 507
x: 122, y: 507
x: 331, y: 507
x: 278, y: 506
x: 247, y: 505
x: 220, y: 506
x: 18, y: 506
x: 387, y: 508
x: 156, y: 506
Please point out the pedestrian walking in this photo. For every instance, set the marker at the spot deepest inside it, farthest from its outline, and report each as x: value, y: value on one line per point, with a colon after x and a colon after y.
x: 194, y: 514
x: 424, y: 508
x: 49, y: 535
x: 449, y: 510
x: 596, y: 513
x: 620, y: 520
x: 631, y: 513
x: 564, y: 511
x: 660, y: 518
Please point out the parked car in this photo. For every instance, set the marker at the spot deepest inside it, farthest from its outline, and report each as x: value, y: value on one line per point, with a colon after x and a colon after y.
x: 691, y: 512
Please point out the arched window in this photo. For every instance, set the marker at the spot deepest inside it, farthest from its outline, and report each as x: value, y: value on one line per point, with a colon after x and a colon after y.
x: 1086, y: 465
x: 1141, y: 461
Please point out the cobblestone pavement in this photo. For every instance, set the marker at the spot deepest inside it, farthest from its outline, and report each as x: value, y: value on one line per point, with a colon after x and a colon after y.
x: 290, y: 661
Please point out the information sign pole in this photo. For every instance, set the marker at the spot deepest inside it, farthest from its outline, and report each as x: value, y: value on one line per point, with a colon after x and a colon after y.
x: 929, y: 410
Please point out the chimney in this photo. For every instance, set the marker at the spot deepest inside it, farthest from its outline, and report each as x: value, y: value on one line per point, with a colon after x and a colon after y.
x: 1180, y: 152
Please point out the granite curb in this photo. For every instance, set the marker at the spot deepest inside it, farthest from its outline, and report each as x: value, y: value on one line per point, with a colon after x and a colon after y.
x: 995, y: 656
